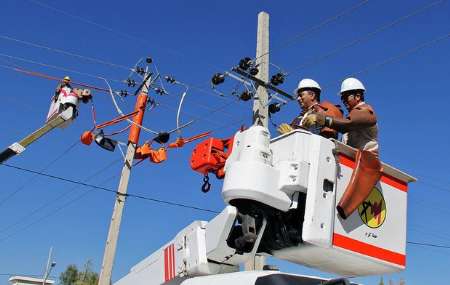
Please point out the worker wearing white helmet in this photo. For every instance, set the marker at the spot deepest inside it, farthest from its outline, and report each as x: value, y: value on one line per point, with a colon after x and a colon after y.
x: 64, y: 83
x: 361, y: 132
x: 308, y: 97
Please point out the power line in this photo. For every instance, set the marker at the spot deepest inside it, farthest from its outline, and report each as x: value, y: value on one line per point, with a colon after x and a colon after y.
x: 39, y: 3
x: 138, y: 196
x: 395, y: 57
x: 64, y: 52
x: 429, y: 244
x: 55, y: 67
x: 108, y: 189
x: 20, y: 188
x: 318, y: 26
x: 404, y: 53
x: 369, y: 35
x: 45, y: 205
x: 103, y: 27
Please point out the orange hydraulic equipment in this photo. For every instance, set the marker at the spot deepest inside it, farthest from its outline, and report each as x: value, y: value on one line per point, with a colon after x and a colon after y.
x: 142, y: 152
x: 210, y: 156
x: 180, y: 142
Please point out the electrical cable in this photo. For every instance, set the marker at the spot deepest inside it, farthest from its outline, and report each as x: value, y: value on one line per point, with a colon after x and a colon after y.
x: 316, y: 27
x: 138, y: 196
x: 56, y: 50
x: 369, y: 35
x: 107, y: 189
x: 429, y: 244
x: 117, y: 33
x: 46, y: 167
x: 45, y: 76
x: 55, y: 67
x: 179, y: 108
x: 395, y: 57
x: 403, y: 54
x: 122, y: 114
x: 48, y: 203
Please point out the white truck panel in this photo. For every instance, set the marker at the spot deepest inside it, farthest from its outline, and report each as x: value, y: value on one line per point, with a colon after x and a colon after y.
x: 373, y: 239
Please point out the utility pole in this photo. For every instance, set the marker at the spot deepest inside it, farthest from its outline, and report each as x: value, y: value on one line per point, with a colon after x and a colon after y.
x: 114, y: 227
x: 260, y: 104
x: 49, y: 267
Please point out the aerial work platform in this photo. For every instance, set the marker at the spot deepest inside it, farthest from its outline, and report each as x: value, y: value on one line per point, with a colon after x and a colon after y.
x: 58, y: 120
x: 288, y: 188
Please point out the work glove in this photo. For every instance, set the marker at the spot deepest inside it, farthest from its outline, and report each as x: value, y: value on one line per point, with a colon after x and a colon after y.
x: 315, y: 119
x: 284, y: 129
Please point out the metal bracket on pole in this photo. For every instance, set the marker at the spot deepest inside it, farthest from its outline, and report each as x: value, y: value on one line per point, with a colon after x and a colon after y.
x: 263, y: 83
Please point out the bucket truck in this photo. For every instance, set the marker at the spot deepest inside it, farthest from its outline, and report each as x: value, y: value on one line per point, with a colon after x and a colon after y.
x: 281, y: 197
x: 63, y: 110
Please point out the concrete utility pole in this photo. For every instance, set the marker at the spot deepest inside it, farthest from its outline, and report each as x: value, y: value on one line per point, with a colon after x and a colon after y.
x: 49, y: 267
x: 260, y: 106
x: 114, y: 227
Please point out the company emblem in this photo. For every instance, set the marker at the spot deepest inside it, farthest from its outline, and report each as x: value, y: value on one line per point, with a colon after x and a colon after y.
x: 373, y: 210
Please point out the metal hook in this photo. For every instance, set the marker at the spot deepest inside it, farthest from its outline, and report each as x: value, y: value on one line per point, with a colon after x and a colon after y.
x: 206, y: 185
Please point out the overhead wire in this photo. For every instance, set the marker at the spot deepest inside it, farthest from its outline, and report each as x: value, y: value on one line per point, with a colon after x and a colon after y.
x: 46, y: 167
x: 111, y: 93
x: 429, y: 244
x: 367, y: 36
x: 39, y: 3
x: 317, y: 27
x: 59, y: 197
x: 113, y: 31
x: 64, y: 52
x: 82, y: 73
x: 396, y: 57
x: 55, y: 67
x: 86, y: 57
x: 403, y: 54
x: 104, y: 189
x: 377, y: 65
x: 139, y: 196
x: 108, y: 90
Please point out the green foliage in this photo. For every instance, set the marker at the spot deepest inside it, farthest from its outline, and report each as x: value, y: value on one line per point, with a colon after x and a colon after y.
x: 73, y: 276
x: 381, y: 281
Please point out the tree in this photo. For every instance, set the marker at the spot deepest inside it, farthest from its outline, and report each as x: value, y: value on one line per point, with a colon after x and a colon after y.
x: 381, y: 281
x: 70, y: 276
x: 73, y: 276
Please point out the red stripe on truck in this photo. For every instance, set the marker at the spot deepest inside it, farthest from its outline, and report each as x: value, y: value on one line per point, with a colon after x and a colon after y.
x: 368, y: 249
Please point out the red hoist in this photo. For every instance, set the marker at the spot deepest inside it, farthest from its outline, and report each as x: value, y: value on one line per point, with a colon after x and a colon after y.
x: 210, y: 156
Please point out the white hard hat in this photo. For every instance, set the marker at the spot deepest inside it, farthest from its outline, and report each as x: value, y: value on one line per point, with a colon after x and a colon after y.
x: 307, y: 83
x: 352, y: 84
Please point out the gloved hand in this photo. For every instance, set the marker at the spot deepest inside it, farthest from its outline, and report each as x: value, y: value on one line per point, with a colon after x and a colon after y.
x: 284, y: 128
x: 315, y: 119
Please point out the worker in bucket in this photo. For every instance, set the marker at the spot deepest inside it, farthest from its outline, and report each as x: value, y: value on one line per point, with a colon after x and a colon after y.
x: 308, y: 97
x: 361, y: 132
x: 64, y: 83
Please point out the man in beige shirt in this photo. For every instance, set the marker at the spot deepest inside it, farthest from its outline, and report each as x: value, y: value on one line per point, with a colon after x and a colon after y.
x: 361, y: 132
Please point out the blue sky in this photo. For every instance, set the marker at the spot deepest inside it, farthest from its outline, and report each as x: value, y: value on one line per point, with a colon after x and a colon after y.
x: 192, y: 40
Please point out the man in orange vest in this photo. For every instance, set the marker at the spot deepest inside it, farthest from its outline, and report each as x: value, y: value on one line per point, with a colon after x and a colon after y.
x: 308, y: 96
